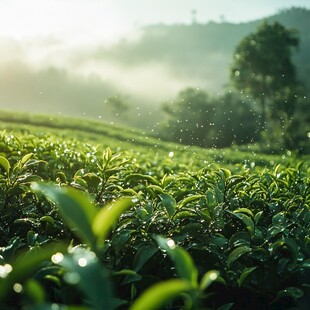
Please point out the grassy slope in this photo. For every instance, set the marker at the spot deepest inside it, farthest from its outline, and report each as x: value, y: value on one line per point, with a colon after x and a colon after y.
x: 126, y: 139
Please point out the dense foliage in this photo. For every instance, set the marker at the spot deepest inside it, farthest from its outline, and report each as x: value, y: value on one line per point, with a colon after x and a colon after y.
x: 195, y: 118
x: 83, y: 227
x: 267, y: 109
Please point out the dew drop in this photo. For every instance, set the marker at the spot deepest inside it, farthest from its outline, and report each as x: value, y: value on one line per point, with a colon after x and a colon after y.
x: 213, y: 276
x: 171, y: 244
x: 18, y: 288
x: 5, y: 270
x: 82, y: 262
x: 57, y: 258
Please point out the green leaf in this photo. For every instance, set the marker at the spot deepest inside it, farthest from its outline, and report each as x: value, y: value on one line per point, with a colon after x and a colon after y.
x: 246, y: 220
x: 160, y: 294
x: 292, y: 246
x: 84, y: 270
x: 245, y: 211
x: 292, y: 292
x: 219, y: 195
x: 125, y: 272
x: 210, y: 198
x: 139, y: 176
x: 107, y: 154
x: 120, y: 238
x: 226, y: 306
x: 226, y: 172
x: 5, y: 164
x: 75, y: 208
x: 35, y: 291
x: 26, y: 158
x: 245, y: 273
x: 26, y: 264
x: 183, y: 261
x: 233, y: 181
x: 189, y: 199
x: 236, y: 253
x: 107, y: 216
x: 208, y: 278
x: 143, y: 255
x: 258, y: 216
x: 169, y: 203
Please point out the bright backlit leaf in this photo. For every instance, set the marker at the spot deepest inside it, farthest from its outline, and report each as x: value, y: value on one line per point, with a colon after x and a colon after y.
x: 160, y: 294
x: 107, y: 216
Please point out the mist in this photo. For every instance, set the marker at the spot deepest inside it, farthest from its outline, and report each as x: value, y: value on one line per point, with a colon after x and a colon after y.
x: 150, y: 65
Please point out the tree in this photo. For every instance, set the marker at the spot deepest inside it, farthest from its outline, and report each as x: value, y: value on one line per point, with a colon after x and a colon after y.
x: 118, y: 106
x: 236, y: 120
x: 191, y: 117
x: 262, y: 65
x: 195, y: 118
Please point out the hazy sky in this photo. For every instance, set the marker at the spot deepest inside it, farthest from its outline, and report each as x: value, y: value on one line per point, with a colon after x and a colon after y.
x: 87, y: 20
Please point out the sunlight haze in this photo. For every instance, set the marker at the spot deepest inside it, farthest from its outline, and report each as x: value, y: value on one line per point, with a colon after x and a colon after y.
x: 88, y: 20
x: 68, y: 56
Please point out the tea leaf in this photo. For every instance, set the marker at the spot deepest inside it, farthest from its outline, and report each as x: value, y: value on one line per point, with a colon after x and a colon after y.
x: 107, y: 216
x: 208, y: 278
x: 5, y: 164
x: 189, y: 199
x: 75, y: 207
x: 245, y: 273
x: 160, y: 294
x: 236, y: 253
x: 183, y: 261
x: 292, y: 292
x: 169, y: 203
x: 26, y: 264
x: 86, y: 272
x: 143, y: 255
x: 246, y: 220
x: 26, y: 158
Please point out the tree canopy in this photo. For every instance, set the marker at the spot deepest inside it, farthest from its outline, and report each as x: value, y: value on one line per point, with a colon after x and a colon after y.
x: 262, y: 65
x: 196, y: 118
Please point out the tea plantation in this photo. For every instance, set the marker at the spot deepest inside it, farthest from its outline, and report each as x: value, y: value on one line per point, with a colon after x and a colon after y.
x: 98, y: 217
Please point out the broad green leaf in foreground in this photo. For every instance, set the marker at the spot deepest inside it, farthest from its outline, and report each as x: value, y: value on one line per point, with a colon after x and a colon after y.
x: 75, y: 207
x: 108, y: 215
x: 84, y: 270
x: 183, y: 261
x: 27, y: 263
x: 160, y: 294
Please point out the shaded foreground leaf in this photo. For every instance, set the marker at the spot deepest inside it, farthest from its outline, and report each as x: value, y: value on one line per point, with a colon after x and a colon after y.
x: 75, y: 207
x: 183, y: 261
x: 27, y: 263
x: 85, y: 270
x: 107, y: 216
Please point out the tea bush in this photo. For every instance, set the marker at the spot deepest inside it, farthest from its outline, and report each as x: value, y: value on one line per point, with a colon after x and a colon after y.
x: 85, y: 227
